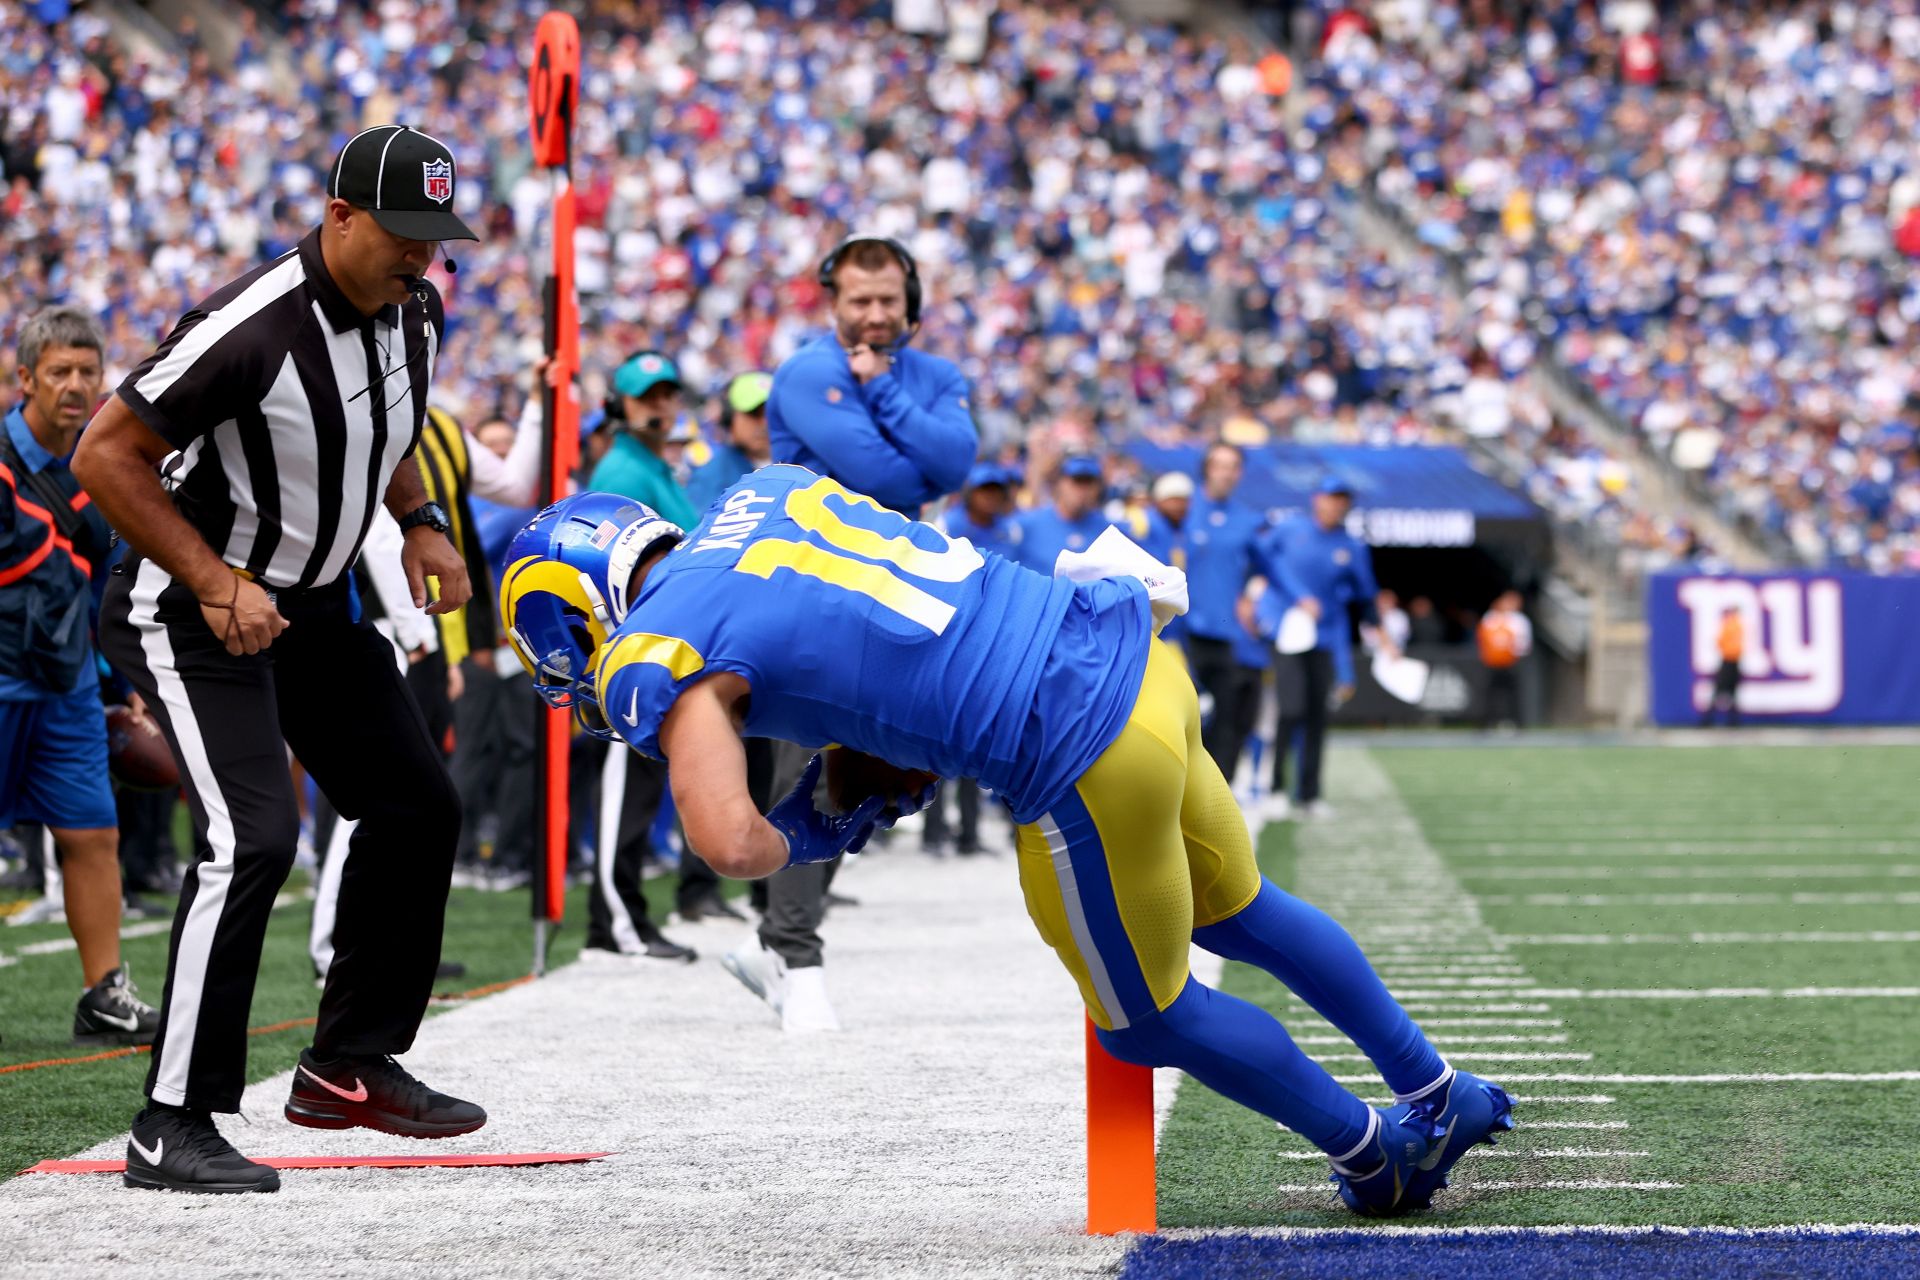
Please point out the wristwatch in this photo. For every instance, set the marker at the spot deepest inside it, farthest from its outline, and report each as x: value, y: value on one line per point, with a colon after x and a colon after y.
x: 430, y: 514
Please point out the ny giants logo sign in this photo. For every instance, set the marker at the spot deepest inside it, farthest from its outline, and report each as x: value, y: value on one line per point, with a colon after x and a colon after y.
x: 1792, y: 662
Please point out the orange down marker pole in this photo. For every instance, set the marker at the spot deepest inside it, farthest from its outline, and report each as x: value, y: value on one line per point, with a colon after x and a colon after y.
x: 1120, y: 1179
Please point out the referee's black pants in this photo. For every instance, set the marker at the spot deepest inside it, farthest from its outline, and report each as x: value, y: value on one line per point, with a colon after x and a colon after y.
x: 328, y: 688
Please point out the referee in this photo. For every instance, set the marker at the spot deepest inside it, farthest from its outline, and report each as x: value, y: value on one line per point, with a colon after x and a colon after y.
x: 279, y: 412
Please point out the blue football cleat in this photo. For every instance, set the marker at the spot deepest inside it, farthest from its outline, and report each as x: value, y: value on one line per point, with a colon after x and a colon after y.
x: 1464, y: 1113
x: 1388, y: 1167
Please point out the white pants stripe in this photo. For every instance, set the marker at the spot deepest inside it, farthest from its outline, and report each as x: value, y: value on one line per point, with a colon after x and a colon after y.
x: 613, y: 797
x: 214, y: 877
x: 1077, y: 922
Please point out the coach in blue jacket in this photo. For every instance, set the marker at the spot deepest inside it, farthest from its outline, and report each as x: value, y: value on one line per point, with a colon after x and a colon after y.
x: 1314, y: 564
x: 858, y: 404
x: 1221, y: 533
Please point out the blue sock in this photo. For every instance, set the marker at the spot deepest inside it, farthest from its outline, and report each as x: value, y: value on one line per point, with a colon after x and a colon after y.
x: 1320, y: 962
x: 1241, y: 1052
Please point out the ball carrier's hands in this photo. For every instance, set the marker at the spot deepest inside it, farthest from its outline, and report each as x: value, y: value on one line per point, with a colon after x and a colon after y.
x: 813, y: 836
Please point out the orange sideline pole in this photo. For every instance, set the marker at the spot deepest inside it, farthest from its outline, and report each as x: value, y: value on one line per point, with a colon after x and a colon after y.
x: 1120, y: 1171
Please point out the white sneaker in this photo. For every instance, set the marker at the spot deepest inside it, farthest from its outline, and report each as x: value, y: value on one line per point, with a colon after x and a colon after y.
x: 43, y: 910
x: 1319, y: 811
x: 760, y: 971
x: 1276, y: 807
x: 807, y: 1007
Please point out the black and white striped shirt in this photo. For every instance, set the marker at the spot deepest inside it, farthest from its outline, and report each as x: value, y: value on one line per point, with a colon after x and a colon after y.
x: 282, y: 454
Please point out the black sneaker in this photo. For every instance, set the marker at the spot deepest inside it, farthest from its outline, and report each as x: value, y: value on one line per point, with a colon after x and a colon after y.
x: 174, y: 1150
x: 374, y: 1093
x: 709, y: 906
x: 109, y: 1013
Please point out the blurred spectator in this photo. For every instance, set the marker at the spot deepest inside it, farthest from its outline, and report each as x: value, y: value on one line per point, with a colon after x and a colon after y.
x: 1072, y: 521
x: 1732, y: 644
x: 1505, y: 638
x: 1220, y: 536
x: 743, y: 445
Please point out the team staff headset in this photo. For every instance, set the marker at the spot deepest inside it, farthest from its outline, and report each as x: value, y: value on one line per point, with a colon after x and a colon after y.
x: 643, y: 369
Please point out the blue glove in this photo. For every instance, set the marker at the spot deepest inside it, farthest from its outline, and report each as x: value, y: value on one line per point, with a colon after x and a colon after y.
x: 891, y: 813
x: 813, y: 836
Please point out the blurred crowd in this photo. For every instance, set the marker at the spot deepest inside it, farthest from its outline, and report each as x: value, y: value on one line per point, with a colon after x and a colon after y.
x: 1120, y: 231
x: 1708, y: 212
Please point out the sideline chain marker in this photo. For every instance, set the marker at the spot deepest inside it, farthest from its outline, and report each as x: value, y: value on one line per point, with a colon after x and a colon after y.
x: 1120, y: 1157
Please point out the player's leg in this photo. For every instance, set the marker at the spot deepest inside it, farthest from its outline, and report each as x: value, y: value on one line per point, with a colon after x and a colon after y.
x: 1107, y: 884
x: 1318, y: 665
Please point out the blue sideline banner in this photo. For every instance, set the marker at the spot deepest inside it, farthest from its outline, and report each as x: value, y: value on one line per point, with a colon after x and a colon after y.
x: 1821, y: 648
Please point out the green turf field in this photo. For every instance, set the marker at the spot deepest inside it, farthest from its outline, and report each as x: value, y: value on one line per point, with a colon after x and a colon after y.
x: 1624, y: 871
x: 55, y: 1111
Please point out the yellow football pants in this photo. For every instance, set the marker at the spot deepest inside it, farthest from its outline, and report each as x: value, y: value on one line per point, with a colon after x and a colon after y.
x: 1148, y: 847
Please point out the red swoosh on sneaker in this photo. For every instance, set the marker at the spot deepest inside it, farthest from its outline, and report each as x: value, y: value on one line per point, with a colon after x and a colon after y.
x: 359, y: 1093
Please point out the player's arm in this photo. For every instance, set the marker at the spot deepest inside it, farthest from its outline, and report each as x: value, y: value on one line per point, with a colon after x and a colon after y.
x: 939, y: 439
x: 707, y: 767
x: 828, y: 416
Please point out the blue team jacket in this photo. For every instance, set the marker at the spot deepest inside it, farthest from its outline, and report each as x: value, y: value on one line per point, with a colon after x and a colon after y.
x: 905, y: 439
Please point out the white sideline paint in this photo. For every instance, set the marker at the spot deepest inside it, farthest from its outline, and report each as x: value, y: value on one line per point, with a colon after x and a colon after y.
x: 940, y: 1134
x: 1709, y: 939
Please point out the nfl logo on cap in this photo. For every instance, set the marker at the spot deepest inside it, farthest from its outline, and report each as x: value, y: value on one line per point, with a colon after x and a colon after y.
x: 439, y: 180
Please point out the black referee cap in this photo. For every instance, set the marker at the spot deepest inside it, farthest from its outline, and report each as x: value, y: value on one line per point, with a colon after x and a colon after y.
x: 404, y: 177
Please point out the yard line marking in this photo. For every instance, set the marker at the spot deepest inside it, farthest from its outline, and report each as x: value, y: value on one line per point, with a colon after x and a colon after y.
x: 1592, y: 1099
x: 1762, y: 899
x: 1671, y: 993
x: 1686, y: 848
x: 144, y: 929
x: 1492, y: 1022
x: 1574, y: 1124
x: 1825, y: 871
x: 1551, y: 1184
x: 53, y: 946
x: 1709, y: 939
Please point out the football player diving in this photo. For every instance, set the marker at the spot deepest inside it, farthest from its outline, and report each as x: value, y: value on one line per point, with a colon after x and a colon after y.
x: 799, y: 610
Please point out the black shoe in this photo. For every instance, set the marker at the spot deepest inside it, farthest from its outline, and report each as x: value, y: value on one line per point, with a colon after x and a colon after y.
x: 374, y: 1093
x: 450, y: 969
x: 841, y: 900
x: 664, y: 948
x: 109, y: 1013
x: 175, y: 1150
x: 709, y: 906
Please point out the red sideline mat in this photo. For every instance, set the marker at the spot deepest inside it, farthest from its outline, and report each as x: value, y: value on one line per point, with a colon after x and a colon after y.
x: 351, y: 1162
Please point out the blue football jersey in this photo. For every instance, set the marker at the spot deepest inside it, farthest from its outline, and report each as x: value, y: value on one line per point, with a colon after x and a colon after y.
x: 857, y: 626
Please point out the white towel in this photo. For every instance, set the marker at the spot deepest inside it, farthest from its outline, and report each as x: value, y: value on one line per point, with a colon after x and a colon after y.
x: 1115, y: 555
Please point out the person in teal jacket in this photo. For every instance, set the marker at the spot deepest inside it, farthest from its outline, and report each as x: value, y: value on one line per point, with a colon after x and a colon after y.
x: 646, y: 395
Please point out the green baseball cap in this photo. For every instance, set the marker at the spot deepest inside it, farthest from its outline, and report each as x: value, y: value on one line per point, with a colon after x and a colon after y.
x: 643, y: 372
x: 748, y: 392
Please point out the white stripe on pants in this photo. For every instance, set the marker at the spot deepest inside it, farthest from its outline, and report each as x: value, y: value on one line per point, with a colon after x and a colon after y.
x: 212, y: 877
x: 613, y: 798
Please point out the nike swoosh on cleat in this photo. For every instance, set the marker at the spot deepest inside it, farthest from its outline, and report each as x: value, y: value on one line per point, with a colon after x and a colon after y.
x: 128, y: 1023
x: 359, y: 1093
x: 151, y: 1157
x: 1439, y: 1149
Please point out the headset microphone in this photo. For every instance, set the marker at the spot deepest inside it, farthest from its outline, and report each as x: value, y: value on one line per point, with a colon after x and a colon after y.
x: 453, y: 268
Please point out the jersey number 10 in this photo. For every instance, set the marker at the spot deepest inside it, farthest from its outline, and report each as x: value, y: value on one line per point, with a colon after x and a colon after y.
x: 870, y: 531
